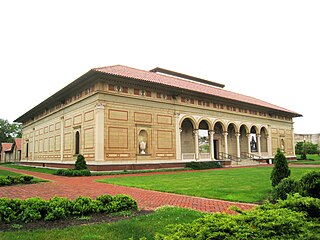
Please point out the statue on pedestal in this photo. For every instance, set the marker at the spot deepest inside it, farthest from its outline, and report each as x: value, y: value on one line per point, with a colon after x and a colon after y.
x: 142, y: 146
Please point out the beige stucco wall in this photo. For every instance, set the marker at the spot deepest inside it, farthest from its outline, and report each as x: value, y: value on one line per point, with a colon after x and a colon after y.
x: 114, y: 135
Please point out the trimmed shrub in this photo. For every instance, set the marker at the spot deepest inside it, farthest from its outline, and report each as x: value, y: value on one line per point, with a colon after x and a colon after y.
x: 73, y: 172
x: 310, y: 184
x: 33, y: 209
x: 122, y: 202
x: 280, y: 169
x: 80, y: 163
x: 58, y: 208
x: 297, y: 203
x: 288, y: 219
x: 104, y: 202
x: 84, y: 205
x: 285, y: 187
x: 11, y: 180
x: 16, y: 210
x: 203, y: 165
x: 256, y: 224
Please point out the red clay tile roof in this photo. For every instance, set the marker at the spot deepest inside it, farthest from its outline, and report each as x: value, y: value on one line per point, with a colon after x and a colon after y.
x: 128, y: 72
x: 6, y: 147
x: 18, y: 142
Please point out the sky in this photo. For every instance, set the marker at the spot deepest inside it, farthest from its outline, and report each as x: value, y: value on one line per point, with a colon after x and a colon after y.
x: 265, y: 49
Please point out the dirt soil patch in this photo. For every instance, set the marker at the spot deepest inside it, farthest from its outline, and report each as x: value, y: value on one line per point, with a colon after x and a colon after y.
x: 70, y: 221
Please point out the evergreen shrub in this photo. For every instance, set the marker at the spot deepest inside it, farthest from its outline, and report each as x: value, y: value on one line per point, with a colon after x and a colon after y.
x: 80, y: 163
x: 281, y: 169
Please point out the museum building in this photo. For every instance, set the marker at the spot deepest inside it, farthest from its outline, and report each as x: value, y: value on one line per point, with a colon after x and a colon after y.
x: 119, y: 117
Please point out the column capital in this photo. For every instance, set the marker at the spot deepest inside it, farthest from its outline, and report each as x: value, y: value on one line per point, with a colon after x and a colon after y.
x: 225, y: 133
x: 211, y: 132
x: 196, y: 131
x: 100, y: 105
x: 237, y: 134
x: 180, y: 130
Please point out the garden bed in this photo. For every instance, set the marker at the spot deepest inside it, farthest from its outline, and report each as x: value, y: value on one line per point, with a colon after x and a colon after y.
x: 73, y: 221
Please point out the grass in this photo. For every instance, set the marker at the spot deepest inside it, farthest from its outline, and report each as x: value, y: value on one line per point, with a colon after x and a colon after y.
x: 312, y: 159
x: 5, y: 173
x: 135, y: 228
x: 53, y: 171
x: 239, y: 184
x: 32, y: 169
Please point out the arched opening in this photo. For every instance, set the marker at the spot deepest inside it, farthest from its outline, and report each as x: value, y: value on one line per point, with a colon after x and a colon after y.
x: 253, y: 139
x: 143, y: 142
x: 204, y: 144
x: 232, y: 140
x: 244, y: 140
x: 27, y: 150
x: 77, y: 147
x: 187, y: 139
x: 218, y: 139
x: 264, y: 141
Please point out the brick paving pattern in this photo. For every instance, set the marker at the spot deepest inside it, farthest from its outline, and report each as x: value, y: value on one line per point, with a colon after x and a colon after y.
x: 72, y: 187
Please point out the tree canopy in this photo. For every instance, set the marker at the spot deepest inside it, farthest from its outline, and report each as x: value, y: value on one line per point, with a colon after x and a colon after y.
x: 9, y: 131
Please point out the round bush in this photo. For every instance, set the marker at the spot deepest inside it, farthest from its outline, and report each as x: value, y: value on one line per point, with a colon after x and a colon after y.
x: 285, y: 187
x: 310, y: 184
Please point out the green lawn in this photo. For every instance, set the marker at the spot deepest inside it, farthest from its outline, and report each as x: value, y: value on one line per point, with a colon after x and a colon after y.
x: 137, y: 227
x: 32, y: 169
x: 238, y: 184
x: 5, y: 173
x: 312, y: 159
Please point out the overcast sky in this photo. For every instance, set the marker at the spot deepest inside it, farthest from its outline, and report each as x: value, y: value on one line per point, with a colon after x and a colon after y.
x: 265, y: 49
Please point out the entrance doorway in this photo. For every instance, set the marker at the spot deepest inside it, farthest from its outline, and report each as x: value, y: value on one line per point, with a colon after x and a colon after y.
x: 216, y: 149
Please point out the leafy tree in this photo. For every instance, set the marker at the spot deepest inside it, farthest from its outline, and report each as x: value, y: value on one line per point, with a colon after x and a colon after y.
x: 9, y: 131
x: 280, y: 169
x: 307, y: 147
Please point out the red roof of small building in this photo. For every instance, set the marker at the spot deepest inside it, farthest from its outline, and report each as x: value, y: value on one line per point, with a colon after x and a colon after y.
x: 18, y: 142
x: 128, y: 72
x: 6, y: 147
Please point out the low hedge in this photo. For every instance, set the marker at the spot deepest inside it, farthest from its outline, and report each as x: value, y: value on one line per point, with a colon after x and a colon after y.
x: 307, y: 186
x: 32, y: 209
x: 11, y: 180
x: 73, y: 172
x: 289, y: 219
x: 203, y: 165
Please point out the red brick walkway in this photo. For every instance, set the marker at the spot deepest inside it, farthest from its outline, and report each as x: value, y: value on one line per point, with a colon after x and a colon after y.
x: 72, y: 187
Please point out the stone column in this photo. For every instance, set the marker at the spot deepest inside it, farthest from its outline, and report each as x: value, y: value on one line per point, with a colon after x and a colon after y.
x: 61, y: 138
x: 178, y: 137
x: 238, y: 145
x: 226, y: 150
x: 249, y: 147
x: 293, y: 143
x: 196, y: 143
x: 211, y: 144
x: 99, y: 132
x: 259, y: 144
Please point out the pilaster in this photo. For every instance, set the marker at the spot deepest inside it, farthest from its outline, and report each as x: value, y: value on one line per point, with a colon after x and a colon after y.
x: 99, y: 131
